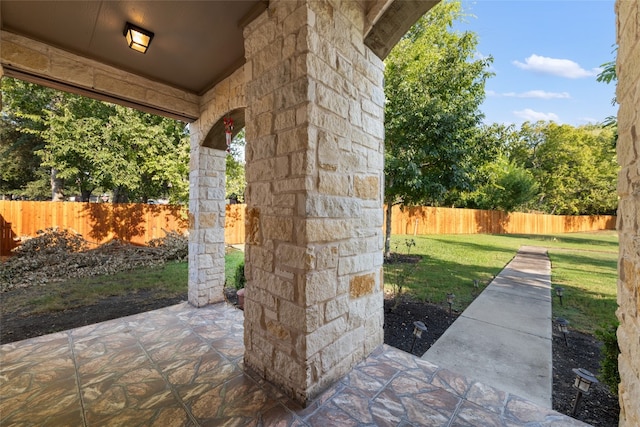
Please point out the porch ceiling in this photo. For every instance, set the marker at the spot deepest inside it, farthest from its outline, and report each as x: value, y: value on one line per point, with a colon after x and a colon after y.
x: 196, y: 43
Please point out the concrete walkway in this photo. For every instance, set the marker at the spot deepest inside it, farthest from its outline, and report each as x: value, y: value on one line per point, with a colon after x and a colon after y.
x: 503, y: 339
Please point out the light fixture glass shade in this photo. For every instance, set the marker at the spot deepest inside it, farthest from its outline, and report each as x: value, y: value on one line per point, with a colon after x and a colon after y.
x: 419, y: 328
x: 563, y: 325
x: 583, y: 380
x: 138, y: 38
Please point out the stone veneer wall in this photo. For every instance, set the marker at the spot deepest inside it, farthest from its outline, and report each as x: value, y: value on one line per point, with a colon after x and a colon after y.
x: 313, y: 304
x: 628, y: 94
x: 207, y: 194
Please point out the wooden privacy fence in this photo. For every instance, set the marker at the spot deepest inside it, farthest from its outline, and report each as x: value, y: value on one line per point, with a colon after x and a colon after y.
x: 429, y: 220
x: 100, y: 222
x: 139, y: 223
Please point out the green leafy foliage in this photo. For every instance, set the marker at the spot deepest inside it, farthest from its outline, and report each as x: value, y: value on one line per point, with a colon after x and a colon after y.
x: 69, y: 144
x: 235, y: 176
x: 575, y: 168
x: 609, y: 373
x: 240, y: 279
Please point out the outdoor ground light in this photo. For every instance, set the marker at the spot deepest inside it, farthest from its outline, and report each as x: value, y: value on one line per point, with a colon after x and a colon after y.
x: 560, y: 292
x: 138, y: 38
x: 476, y: 285
x: 582, y: 383
x: 563, y: 326
x: 418, y: 329
x: 450, y: 298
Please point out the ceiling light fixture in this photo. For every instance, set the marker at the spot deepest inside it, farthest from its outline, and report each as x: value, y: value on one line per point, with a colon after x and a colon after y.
x: 138, y: 38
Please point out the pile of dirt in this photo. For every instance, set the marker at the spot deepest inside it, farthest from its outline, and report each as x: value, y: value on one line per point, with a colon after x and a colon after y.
x: 55, y: 255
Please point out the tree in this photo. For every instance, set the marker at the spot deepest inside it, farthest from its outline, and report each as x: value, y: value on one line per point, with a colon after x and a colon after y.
x: 21, y: 173
x: 504, y: 186
x: 575, y: 168
x: 85, y: 145
x: 434, y: 85
x: 235, y: 177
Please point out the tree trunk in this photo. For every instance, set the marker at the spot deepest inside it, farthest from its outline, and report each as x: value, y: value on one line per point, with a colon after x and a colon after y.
x: 57, y: 194
x: 85, y: 195
x: 120, y: 195
x: 387, y: 232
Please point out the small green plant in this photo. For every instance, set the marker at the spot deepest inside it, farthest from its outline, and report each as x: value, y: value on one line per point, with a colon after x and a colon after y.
x: 409, y: 243
x: 240, y: 280
x: 402, y: 276
x: 609, y: 374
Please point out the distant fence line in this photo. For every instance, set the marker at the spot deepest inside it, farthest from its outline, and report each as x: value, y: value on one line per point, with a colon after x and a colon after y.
x: 138, y: 223
x: 430, y: 220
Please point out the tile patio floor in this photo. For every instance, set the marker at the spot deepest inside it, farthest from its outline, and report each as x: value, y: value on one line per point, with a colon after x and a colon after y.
x: 182, y: 366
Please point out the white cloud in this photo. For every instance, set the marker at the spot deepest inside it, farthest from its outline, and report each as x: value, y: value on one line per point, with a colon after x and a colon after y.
x: 539, y: 94
x: 534, y: 116
x: 558, y: 67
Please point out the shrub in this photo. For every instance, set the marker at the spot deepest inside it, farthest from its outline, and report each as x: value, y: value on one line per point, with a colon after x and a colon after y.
x: 609, y: 374
x: 240, y: 280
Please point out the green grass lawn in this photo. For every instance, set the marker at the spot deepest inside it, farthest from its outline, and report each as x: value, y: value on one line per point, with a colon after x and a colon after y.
x: 585, y: 264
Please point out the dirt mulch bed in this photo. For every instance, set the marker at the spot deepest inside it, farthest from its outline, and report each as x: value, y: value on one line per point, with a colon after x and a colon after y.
x: 17, y: 326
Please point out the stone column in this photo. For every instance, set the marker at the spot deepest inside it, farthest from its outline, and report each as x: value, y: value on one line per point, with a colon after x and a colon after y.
x: 314, y: 302
x: 628, y: 95
x: 206, y: 221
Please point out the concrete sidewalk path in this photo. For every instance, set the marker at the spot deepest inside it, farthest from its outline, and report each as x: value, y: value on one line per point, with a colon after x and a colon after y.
x: 504, y: 337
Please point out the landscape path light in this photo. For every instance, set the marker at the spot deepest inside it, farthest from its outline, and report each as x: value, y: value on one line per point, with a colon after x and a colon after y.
x: 450, y: 298
x: 560, y: 293
x: 563, y: 326
x: 582, y: 383
x: 418, y: 328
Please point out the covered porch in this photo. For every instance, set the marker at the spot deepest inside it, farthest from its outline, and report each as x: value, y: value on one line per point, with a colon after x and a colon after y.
x: 183, y: 366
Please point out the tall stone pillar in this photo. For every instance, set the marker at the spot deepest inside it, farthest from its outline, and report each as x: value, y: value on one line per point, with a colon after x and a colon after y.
x: 314, y: 302
x: 628, y: 96
x: 206, y: 221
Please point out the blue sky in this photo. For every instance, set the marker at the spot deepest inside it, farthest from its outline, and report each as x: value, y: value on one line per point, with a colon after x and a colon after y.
x: 546, y: 57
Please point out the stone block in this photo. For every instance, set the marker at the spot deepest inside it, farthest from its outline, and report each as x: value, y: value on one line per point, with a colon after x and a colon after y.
x: 302, y: 163
x: 355, y: 264
x: 292, y: 315
x: 362, y: 285
x: 327, y: 257
x: 336, y: 307
x: 31, y: 59
x: 331, y: 100
x: 293, y: 185
x: 292, y: 140
x: 277, y: 228
x: 367, y: 187
x: 331, y: 207
x: 298, y: 257
x: 320, y: 286
x: 325, y: 335
x: 335, y: 184
x: 327, y: 230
